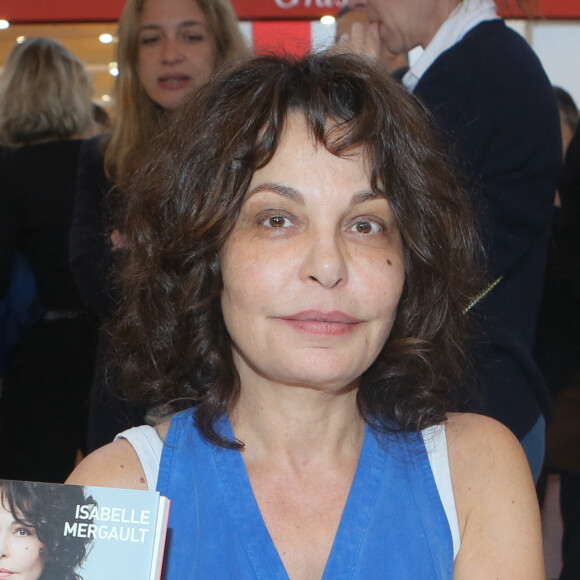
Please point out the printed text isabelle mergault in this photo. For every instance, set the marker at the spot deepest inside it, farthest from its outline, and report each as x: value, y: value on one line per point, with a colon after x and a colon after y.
x: 122, y: 525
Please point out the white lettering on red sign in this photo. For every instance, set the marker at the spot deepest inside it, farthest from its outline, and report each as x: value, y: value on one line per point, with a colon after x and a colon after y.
x: 287, y: 4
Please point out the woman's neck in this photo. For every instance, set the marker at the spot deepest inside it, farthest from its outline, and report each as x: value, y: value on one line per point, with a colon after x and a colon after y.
x: 298, y: 425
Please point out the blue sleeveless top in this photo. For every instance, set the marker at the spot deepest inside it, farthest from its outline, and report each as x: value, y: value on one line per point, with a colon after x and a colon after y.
x: 393, y: 525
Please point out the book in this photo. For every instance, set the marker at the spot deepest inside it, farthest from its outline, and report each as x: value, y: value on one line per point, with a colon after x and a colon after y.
x: 51, y: 531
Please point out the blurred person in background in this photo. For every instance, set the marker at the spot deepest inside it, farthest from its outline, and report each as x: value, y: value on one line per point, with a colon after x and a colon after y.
x: 568, y: 116
x: 558, y: 343
x: 396, y: 64
x: 18, y: 309
x: 16, y: 302
x: 492, y: 102
x: 553, y: 347
x: 45, y: 111
x: 568, y: 267
x: 166, y: 50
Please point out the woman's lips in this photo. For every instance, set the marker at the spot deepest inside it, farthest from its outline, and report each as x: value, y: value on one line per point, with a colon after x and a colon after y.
x: 172, y: 82
x: 5, y: 573
x: 320, y: 323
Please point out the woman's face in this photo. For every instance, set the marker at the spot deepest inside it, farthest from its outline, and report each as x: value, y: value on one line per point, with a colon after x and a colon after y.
x: 312, y: 271
x: 177, y: 52
x: 405, y: 24
x: 21, y: 552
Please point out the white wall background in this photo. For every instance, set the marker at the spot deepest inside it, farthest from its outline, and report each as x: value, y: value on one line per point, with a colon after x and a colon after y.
x: 557, y: 43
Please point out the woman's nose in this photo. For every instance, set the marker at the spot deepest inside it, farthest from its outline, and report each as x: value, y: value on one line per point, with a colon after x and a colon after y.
x: 325, y: 261
x: 172, y: 52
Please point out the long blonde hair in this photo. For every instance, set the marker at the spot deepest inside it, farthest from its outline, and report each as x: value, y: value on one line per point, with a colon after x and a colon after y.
x: 45, y: 94
x: 138, y: 118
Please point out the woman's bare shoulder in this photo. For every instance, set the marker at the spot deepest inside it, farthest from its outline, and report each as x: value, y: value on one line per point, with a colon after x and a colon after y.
x: 485, y: 458
x: 496, y: 501
x: 465, y: 429
x: 114, y: 465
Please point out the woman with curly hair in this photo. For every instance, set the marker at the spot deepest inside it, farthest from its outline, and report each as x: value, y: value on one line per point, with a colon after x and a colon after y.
x: 300, y: 259
x: 32, y: 520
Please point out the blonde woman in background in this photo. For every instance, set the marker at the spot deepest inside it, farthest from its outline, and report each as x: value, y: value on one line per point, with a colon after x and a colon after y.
x: 166, y: 50
x: 45, y: 94
x: 45, y: 111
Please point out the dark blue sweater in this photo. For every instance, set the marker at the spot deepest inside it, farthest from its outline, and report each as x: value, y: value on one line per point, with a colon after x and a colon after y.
x: 494, y: 105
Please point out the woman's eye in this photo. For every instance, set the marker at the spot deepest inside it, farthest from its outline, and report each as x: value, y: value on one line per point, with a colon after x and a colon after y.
x: 193, y: 37
x: 148, y: 40
x: 277, y: 222
x: 24, y: 532
x: 366, y: 227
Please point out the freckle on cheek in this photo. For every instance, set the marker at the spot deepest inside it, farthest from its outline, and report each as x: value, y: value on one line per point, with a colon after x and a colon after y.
x: 389, y: 262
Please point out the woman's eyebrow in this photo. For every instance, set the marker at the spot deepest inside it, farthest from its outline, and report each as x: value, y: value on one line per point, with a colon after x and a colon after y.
x: 365, y: 195
x: 294, y: 195
x: 190, y: 23
x: 184, y: 24
x: 149, y: 27
x: 280, y: 189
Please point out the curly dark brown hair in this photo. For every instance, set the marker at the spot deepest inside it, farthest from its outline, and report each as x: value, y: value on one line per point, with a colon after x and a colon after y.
x: 46, y: 507
x: 170, y: 341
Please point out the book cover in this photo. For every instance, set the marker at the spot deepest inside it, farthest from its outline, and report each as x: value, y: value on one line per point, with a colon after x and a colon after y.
x: 52, y: 531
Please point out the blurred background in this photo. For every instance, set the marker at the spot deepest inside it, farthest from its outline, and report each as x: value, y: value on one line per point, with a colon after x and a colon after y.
x: 88, y: 30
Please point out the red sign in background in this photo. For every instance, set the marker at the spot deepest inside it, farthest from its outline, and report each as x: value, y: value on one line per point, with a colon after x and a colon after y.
x: 109, y: 10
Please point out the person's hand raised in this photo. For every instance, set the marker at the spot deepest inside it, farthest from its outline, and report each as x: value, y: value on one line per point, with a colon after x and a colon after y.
x: 362, y: 39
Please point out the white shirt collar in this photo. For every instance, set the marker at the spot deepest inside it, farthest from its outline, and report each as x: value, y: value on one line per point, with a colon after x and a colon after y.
x: 466, y: 16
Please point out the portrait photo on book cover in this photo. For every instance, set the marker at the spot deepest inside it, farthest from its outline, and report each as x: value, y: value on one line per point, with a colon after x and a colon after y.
x: 70, y: 532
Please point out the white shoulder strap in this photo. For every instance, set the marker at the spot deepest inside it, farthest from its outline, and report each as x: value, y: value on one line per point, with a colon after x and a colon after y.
x: 436, y: 445
x: 148, y: 446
